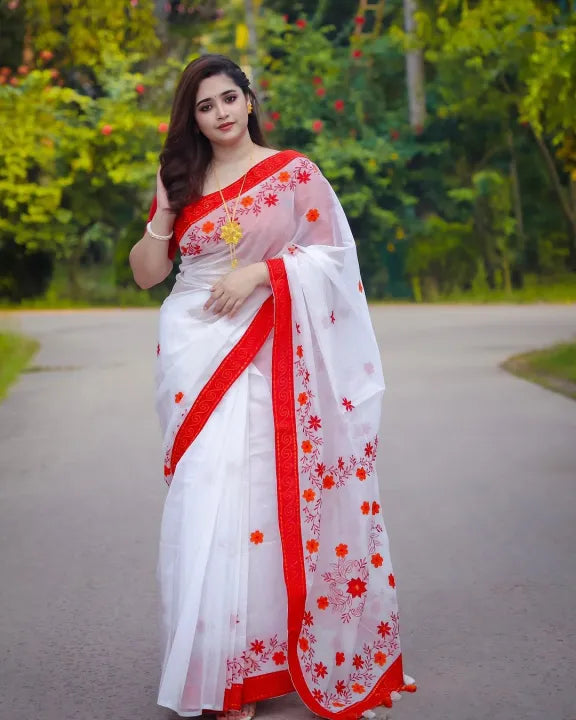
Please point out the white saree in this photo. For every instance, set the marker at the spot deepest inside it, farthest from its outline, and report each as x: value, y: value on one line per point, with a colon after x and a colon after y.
x: 274, y: 567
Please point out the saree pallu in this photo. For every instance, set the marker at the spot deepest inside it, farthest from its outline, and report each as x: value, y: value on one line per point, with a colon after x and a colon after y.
x: 274, y: 566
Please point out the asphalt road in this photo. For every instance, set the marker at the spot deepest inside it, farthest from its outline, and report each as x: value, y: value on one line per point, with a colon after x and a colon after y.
x: 478, y: 473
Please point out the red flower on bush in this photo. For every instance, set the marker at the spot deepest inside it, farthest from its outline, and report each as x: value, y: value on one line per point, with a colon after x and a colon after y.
x: 269, y: 126
x: 163, y: 127
x: 140, y: 88
x: 106, y: 130
x: 301, y: 23
x: 357, y: 53
x: 394, y: 135
x: 359, y: 20
x: 275, y: 115
x: 339, y: 105
x: 317, y: 126
x: 317, y: 80
x: 320, y: 91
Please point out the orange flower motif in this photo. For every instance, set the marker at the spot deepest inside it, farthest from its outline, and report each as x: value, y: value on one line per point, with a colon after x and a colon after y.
x: 312, y: 215
x: 341, y: 550
x: 380, y: 658
x: 303, y: 643
x: 365, y: 507
x: 375, y: 508
x: 322, y: 602
x: 361, y: 473
x: 307, y: 446
x: 247, y: 201
x: 299, y: 351
x: 312, y: 546
x: 308, y: 495
x: 377, y: 560
x: 207, y: 227
x: 357, y: 688
x: 303, y: 398
x: 256, y: 537
x: 178, y: 397
x: 284, y: 176
x: 328, y: 482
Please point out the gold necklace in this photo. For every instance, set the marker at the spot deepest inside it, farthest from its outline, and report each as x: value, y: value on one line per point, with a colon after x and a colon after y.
x: 231, y: 232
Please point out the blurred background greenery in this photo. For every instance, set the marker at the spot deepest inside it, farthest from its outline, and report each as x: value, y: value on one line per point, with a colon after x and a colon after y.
x: 447, y: 128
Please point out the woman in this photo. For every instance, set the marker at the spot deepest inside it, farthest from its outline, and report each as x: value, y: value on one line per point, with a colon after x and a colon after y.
x: 274, y: 567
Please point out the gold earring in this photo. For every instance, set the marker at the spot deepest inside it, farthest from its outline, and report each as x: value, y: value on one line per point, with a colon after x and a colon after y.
x: 250, y: 107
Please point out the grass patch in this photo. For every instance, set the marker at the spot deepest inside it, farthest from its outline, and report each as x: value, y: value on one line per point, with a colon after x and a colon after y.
x: 553, y: 368
x: 15, y: 353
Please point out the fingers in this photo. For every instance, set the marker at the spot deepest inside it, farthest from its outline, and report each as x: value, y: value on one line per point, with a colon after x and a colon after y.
x: 236, y: 307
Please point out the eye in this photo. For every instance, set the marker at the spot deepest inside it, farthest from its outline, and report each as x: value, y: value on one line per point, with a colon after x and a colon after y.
x: 231, y: 98
x: 204, y: 108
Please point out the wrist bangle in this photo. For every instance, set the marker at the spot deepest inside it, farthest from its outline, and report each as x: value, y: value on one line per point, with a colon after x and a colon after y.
x: 155, y: 235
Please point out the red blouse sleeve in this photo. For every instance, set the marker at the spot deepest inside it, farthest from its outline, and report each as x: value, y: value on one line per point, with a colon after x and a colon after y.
x: 173, y: 244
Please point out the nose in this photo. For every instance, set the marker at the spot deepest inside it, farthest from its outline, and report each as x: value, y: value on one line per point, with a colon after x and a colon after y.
x: 221, y: 111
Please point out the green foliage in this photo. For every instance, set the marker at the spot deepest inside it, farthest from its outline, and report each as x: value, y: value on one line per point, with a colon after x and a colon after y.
x: 15, y: 353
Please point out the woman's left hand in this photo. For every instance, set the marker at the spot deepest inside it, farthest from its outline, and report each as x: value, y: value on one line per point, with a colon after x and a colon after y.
x: 228, y: 295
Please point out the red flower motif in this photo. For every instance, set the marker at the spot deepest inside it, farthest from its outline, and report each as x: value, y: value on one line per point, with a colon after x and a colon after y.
x: 377, y: 560
x: 317, y: 126
x: 257, y: 647
x: 195, y: 249
x: 384, y: 629
x: 380, y: 658
x: 279, y: 658
x: 271, y: 199
x: 178, y: 397
x: 158, y: 349
x: 369, y: 450
x: 303, y: 644
x: 340, y: 463
x: 357, y: 688
x: 308, y: 618
x: 375, y: 508
x: 340, y: 658
x: 303, y: 398
x: 309, y: 495
x: 328, y: 482
x: 314, y: 423
x: 322, y: 602
x: 301, y: 23
x: 347, y: 404
x: 256, y: 537
x: 299, y: 351
x: 320, y: 91
x: 339, y: 105
x: 340, y: 687
x: 361, y: 473
x: 332, y: 317
x: 391, y: 581
x: 312, y: 215
x: 357, y: 53
x: 303, y: 177
x: 356, y: 587
x: 312, y: 546
x: 365, y: 507
x: 358, y: 662
x: 320, y: 468
x: 307, y: 446
x: 341, y: 550
x: 317, y: 695
x: 321, y: 670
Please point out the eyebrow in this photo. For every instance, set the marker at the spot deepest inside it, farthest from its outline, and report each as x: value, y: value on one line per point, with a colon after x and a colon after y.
x: 226, y: 92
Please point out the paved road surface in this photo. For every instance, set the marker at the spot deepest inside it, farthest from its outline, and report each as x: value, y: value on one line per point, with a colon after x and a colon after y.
x: 478, y: 471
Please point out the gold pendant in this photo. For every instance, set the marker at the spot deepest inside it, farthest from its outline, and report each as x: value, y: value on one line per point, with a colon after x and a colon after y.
x: 231, y: 232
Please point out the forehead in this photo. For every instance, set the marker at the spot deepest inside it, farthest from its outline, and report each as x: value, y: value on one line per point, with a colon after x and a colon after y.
x: 215, y: 85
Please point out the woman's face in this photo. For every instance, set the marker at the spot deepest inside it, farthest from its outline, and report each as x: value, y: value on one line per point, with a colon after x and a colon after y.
x: 221, y: 110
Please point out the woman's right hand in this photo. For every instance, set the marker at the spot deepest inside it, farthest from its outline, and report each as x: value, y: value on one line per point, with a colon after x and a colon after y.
x: 163, y: 203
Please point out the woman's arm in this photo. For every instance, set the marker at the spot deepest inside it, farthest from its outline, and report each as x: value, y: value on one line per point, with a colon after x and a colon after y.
x: 149, y: 257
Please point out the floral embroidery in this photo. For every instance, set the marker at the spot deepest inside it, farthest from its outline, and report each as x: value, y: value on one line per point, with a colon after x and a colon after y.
x: 328, y: 482
x: 380, y: 658
x: 332, y: 317
x: 309, y: 495
x: 377, y: 560
x: 178, y: 397
x: 341, y: 550
x: 358, y: 662
x: 303, y: 644
x: 347, y: 404
x: 312, y: 215
x: 365, y: 507
x: 357, y: 688
x: 321, y: 670
x: 308, y: 619
x: 284, y: 176
x: 158, y: 349
x: 303, y: 398
x: 254, y: 660
x: 303, y: 177
x: 247, y: 201
x: 391, y: 581
x: 312, y: 546
x: 307, y: 446
x: 375, y: 508
x: 314, y: 423
x: 299, y: 351
x: 207, y: 227
x: 270, y: 200
x: 256, y: 537
x: 340, y: 658
x: 356, y: 587
x: 361, y: 473
x: 369, y: 450
x: 322, y: 602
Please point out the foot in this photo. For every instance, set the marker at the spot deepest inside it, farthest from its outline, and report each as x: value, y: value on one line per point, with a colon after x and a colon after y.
x: 247, y: 713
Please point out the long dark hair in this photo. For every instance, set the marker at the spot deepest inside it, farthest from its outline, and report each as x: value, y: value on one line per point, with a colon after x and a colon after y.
x: 187, y: 152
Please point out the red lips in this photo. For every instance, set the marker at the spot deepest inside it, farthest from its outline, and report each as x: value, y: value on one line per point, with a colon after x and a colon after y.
x: 225, y: 125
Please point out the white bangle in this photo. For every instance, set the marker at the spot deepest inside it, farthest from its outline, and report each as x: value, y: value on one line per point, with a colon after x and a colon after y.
x: 155, y: 235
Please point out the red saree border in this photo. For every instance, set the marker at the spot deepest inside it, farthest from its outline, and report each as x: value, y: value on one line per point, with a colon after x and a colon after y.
x: 260, y: 687
x: 222, y: 379
x: 289, y: 506
x: 195, y: 211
